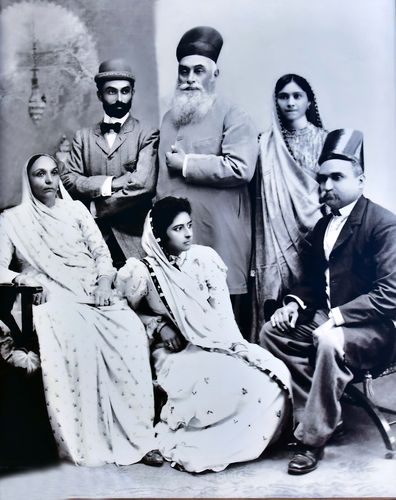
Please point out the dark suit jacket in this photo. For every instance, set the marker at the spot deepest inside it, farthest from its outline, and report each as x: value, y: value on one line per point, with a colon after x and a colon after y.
x: 362, y: 266
x: 91, y: 161
x: 362, y: 269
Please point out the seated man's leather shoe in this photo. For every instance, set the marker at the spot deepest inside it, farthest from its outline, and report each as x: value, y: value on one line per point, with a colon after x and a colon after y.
x: 153, y: 458
x: 305, y: 459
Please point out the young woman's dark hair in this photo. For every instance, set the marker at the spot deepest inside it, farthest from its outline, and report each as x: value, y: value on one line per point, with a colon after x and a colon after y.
x: 163, y: 214
x: 312, y: 113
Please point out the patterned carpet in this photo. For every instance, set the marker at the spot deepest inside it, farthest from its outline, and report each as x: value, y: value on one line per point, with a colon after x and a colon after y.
x: 353, y: 467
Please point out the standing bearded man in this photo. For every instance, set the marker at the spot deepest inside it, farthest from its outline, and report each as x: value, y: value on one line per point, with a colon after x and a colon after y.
x: 208, y: 152
x: 112, y: 166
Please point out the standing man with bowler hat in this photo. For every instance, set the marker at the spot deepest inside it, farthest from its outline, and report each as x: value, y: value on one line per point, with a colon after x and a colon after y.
x: 208, y: 153
x: 112, y: 166
x: 339, y: 321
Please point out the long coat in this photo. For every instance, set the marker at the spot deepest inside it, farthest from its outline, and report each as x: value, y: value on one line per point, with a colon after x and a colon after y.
x: 362, y: 267
x: 91, y: 161
x: 222, y: 150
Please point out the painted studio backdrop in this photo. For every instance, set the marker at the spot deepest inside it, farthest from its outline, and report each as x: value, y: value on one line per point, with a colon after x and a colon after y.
x: 50, y: 52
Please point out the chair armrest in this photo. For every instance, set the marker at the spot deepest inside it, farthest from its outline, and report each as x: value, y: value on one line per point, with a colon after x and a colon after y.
x: 28, y: 289
x: 8, y: 294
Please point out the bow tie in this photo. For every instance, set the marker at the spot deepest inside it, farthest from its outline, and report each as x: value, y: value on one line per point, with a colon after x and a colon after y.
x: 106, y: 127
x: 335, y: 212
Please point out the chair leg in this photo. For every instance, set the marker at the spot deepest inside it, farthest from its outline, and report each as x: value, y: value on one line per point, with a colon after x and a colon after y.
x: 368, y: 390
x: 380, y: 421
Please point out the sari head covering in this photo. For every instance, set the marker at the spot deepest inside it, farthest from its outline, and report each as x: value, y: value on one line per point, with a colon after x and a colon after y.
x: 47, y: 240
x: 287, y: 203
x: 197, y: 321
x: 188, y: 304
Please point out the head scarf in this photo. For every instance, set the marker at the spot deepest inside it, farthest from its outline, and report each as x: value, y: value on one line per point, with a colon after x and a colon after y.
x: 287, y: 209
x: 195, y: 318
x: 198, y: 322
x: 44, y: 236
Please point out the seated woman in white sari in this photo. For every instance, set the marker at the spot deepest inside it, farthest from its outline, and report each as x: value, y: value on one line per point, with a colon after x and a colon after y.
x: 93, y: 348
x: 227, y: 399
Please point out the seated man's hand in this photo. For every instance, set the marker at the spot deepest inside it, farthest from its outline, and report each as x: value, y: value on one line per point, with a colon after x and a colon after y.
x: 174, y: 159
x: 171, y: 339
x: 103, y: 293
x: 285, y: 317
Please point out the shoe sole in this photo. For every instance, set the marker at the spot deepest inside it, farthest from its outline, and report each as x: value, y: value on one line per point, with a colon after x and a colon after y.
x: 296, y: 472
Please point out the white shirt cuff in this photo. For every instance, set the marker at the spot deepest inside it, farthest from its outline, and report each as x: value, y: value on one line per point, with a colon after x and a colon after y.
x: 336, y: 314
x: 106, y: 187
x: 295, y: 299
x: 185, y: 165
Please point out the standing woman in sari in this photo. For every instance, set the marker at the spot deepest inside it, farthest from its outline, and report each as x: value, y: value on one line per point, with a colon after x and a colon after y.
x: 287, y: 196
x: 93, y: 348
x: 227, y: 399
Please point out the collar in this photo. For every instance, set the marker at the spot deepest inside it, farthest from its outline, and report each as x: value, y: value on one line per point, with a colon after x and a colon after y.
x: 111, y: 119
x: 345, y: 211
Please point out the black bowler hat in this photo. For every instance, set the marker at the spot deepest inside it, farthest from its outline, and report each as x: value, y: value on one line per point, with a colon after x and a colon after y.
x: 343, y: 144
x: 202, y: 41
x: 114, y: 69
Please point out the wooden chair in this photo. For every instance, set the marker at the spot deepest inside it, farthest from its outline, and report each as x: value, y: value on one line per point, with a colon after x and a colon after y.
x: 367, y: 400
x: 24, y: 336
x: 27, y: 440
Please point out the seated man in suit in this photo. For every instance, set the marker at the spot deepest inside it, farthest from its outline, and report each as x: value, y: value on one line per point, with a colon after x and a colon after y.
x: 338, y: 322
x: 112, y: 166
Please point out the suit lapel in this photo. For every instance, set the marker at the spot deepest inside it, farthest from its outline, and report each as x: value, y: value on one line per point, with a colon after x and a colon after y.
x: 100, y: 139
x: 353, y: 220
x: 127, y: 128
x: 318, y: 242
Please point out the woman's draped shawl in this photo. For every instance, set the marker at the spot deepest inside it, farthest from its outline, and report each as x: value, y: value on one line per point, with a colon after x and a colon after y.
x: 198, y: 322
x: 287, y: 207
x: 55, y: 257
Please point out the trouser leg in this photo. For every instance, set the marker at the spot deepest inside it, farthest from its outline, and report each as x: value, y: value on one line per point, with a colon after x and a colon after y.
x: 241, y: 308
x: 319, y: 376
x: 331, y: 375
x: 117, y: 255
x: 295, y: 348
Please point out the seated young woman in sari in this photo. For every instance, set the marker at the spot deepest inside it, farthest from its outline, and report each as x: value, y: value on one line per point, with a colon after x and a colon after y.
x: 93, y: 348
x: 226, y: 398
x: 287, y: 198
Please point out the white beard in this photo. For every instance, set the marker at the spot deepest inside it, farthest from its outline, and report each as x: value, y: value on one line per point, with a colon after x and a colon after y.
x: 190, y: 106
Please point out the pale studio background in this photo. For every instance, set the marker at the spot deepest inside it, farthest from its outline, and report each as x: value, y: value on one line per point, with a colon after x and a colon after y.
x: 345, y: 48
x: 72, y: 37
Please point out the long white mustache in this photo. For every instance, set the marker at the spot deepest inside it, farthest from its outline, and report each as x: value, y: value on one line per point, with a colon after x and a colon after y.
x: 188, y: 86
